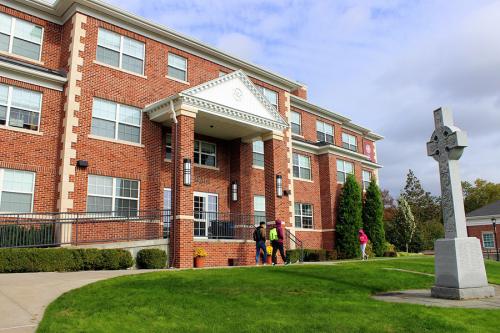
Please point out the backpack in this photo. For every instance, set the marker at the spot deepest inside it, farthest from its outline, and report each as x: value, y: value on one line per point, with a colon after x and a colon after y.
x: 257, y: 235
x: 273, y: 234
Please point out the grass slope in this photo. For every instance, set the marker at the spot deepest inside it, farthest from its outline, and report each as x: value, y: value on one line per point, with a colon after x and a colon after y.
x: 297, y: 298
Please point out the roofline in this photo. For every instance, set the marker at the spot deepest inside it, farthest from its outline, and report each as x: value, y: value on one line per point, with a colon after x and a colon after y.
x: 344, y: 121
x: 61, y: 10
x: 480, y: 217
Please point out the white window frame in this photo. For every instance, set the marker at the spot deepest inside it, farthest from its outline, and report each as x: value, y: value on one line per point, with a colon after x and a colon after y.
x: 9, y: 105
x: 11, y: 37
x: 349, y: 141
x: 199, y: 152
x: 300, y: 176
x: 492, y: 239
x: 343, y: 170
x: 266, y: 92
x: 167, y: 146
x: 299, y: 124
x: 259, y: 218
x: 321, y: 127
x: 255, y: 152
x: 113, y: 196
x: 206, y: 218
x: 2, y: 171
x: 120, y: 52
x: 118, y: 122
x: 178, y: 68
x: 301, y: 216
x: 366, y: 182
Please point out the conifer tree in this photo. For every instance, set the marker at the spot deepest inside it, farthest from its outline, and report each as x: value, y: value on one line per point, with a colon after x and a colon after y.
x: 404, y: 223
x: 373, y: 214
x: 349, y: 219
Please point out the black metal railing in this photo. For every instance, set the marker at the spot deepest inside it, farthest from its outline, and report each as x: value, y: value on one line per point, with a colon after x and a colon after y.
x: 220, y: 225
x: 493, y: 254
x: 54, y: 229
x: 292, y: 239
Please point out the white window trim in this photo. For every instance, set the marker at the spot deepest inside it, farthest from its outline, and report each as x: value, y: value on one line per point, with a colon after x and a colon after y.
x: 120, y: 54
x: 260, y: 153
x: 300, y: 122
x: 205, y: 195
x: 11, y: 38
x: 199, y: 152
x: 349, y: 137
x: 9, y: 105
x: 363, y: 180
x: 186, y: 81
x: 300, y: 167
x: 324, y: 131
x: 493, y: 237
x: 117, y: 122
x: 343, y: 171
x: 2, y: 171
x: 301, y: 216
x: 113, y: 196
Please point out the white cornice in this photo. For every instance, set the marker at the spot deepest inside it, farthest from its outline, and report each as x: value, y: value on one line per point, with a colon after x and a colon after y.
x: 33, y: 76
x: 335, y: 150
x: 62, y: 10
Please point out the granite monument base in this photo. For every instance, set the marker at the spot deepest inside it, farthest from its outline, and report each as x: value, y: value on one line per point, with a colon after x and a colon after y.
x: 459, y: 268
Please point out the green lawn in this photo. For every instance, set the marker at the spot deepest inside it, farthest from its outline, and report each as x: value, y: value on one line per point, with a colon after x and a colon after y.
x: 297, y: 298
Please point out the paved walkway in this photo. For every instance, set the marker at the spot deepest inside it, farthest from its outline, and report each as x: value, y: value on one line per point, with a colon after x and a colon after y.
x: 24, y: 296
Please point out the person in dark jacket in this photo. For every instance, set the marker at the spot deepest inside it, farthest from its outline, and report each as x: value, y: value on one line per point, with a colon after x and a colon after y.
x: 276, y: 236
x: 259, y: 237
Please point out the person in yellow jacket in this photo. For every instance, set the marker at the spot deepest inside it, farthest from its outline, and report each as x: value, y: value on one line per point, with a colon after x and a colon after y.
x: 276, y: 236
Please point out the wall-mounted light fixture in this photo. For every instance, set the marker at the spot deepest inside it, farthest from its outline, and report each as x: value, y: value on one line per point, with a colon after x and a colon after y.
x: 279, y: 186
x: 234, y: 191
x: 187, y: 172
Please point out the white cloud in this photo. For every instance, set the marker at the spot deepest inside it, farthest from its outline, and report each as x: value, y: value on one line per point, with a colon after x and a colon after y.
x: 241, y: 45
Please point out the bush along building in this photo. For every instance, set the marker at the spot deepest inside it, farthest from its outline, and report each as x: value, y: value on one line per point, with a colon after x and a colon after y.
x: 116, y: 129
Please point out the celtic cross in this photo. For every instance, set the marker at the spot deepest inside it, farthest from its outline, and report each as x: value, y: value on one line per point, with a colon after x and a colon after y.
x: 446, y: 147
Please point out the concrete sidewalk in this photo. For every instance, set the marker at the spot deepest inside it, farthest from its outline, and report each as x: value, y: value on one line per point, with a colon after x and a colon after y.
x: 24, y: 296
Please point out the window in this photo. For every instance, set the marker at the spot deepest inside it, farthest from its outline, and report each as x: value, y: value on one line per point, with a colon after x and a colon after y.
x: 349, y: 142
x: 107, y: 194
x: 177, y: 67
x: 301, y: 166
x: 303, y: 216
x: 205, y: 212
x: 16, y: 191
x: 259, y: 208
x: 168, y: 147
x: 205, y: 153
x: 116, y: 121
x: 20, y: 107
x: 120, y: 51
x: 343, y: 169
x: 488, y: 240
x: 270, y: 95
x: 258, y: 153
x: 295, y: 122
x: 324, y: 132
x: 367, y: 177
x: 20, y: 37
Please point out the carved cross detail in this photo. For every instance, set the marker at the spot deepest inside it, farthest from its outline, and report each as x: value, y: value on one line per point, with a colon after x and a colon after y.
x: 446, y: 147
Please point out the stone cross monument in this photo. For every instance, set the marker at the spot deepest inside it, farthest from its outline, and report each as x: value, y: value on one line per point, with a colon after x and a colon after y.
x: 459, y: 265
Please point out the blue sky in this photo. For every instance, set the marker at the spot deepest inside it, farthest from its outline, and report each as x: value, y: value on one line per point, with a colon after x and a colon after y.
x: 385, y: 64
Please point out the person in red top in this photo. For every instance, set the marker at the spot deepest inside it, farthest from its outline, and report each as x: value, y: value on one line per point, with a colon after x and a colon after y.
x: 363, y: 239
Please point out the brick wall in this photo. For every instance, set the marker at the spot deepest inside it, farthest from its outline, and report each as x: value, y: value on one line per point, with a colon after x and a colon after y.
x: 476, y: 231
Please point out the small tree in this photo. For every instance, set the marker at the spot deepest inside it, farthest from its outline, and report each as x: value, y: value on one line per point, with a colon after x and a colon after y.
x: 349, y: 219
x: 373, y: 214
x: 404, y: 223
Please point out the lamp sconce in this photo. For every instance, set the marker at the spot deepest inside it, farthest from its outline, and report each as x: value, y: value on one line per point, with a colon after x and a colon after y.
x: 234, y: 191
x: 187, y: 172
x: 279, y: 186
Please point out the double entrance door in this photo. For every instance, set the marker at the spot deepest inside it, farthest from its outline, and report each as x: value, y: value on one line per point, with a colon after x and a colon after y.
x: 205, y: 213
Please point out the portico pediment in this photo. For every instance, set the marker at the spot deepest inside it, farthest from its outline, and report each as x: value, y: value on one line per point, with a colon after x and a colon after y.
x: 232, y: 96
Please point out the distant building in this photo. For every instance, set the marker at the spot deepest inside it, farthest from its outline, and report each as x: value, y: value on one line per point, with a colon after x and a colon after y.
x: 480, y: 224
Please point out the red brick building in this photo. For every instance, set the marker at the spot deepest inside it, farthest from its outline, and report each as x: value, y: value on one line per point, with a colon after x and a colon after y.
x: 101, y: 111
x: 482, y: 223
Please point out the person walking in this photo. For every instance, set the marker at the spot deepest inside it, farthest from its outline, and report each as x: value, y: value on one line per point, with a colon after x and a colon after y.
x: 259, y: 236
x: 276, y: 236
x: 363, y: 240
